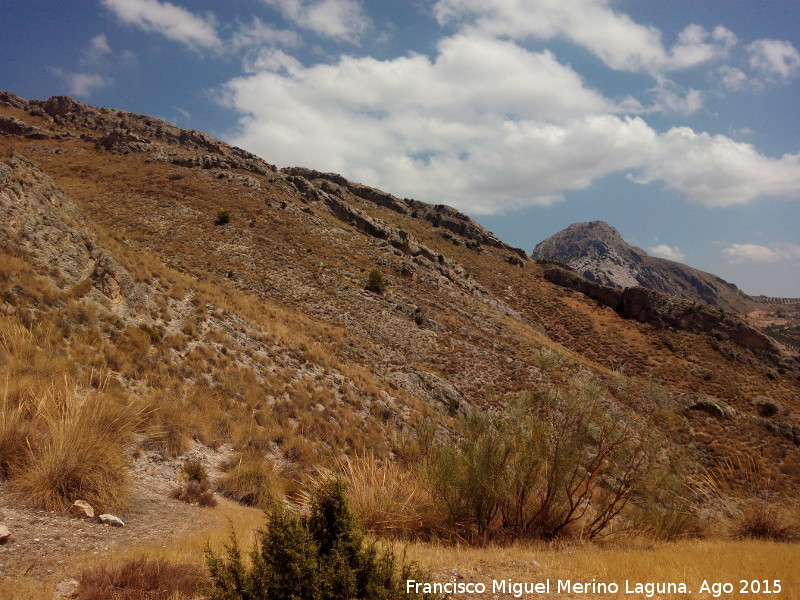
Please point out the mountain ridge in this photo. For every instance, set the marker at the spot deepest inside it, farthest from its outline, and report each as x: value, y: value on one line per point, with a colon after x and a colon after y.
x: 599, y: 253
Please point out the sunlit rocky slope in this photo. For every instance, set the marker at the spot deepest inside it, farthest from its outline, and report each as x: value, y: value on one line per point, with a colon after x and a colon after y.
x: 157, y: 265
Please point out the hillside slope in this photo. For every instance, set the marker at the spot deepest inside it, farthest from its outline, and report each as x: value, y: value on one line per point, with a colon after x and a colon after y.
x: 119, y: 275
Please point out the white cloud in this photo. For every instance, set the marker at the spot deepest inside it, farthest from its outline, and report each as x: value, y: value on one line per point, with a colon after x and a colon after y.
x: 774, y: 57
x: 172, y: 21
x: 614, y: 37
x: 259, y: 34
x: 733, y: 78
x: 342, y: 20
x: 717, y: 171
x: 485, y: 125
x: 668, y: 98
x: 82, y: 84
x: 98, y: 48
x: 756, y: 253
x: 667, y: 251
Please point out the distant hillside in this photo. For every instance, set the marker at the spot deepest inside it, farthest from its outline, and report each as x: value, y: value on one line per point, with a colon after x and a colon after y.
x: 597, y: 251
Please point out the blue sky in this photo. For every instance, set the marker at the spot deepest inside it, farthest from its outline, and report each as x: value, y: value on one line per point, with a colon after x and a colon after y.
x: 675, y: 121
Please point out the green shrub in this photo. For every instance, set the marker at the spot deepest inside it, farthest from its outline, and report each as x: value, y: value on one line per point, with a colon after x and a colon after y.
x: 223, y: 217
x: 322, y: 556
x: 375, y: 281
x: 555, y: 463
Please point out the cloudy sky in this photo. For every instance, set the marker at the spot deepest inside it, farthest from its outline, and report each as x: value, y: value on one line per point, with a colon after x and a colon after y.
x: 675, y: 121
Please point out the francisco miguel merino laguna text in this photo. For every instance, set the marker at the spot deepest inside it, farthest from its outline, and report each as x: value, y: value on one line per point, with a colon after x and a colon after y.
x: 568, y: 586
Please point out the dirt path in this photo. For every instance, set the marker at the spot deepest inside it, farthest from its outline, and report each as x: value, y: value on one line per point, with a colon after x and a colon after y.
x: 44, y: 543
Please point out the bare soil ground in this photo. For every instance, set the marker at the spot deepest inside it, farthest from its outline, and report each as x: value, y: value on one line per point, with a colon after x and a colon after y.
x: 45, y: 543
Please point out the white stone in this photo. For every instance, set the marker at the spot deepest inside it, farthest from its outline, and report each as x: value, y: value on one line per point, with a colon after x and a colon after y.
x: 81, y: 508
x: 112, y: 520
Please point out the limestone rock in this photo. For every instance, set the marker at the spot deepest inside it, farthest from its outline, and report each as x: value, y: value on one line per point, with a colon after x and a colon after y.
x: 43, y: 221
x: 665, y: 310
x: 5, y: 534
x: 82, y: 509
x: 113, y: 521
x: 68, y: 588
x: 597, y: 252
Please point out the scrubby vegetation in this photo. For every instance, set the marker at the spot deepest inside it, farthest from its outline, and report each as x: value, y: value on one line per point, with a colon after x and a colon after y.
x: 322, y: 556
x: 140, y: 579
x: 475, y: 407
x: 375, y: 281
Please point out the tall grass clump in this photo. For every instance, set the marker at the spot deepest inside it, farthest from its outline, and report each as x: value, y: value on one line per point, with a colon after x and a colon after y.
x: 766, y: 521
x: 320, y: 556
x: 548, y: 359
x: 389, y: 498
x: 140, y: 579
x: 68, y: 444
x: 250, y: 478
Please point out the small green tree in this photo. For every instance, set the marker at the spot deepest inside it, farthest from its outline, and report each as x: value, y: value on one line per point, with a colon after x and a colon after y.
x: 223, y: 217
x: 375, y: 281
x: 322, y: 556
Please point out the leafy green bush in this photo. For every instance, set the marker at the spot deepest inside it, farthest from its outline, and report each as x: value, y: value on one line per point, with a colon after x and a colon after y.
x: 554, y: 463
x: 322, y: 556
x: 375, y: 281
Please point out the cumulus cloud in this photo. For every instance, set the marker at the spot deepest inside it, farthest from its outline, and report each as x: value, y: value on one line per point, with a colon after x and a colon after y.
x: 733, y: 78
x: 756, y: 253
x: 667, y: 251
x: 342, y: 20
x: 717, y: 171
x: 82, y: 84
x: 614, y: 37
x: 774, y: 58
x: 484, y: 125
x: 172, y: 21
x: 669, y: 98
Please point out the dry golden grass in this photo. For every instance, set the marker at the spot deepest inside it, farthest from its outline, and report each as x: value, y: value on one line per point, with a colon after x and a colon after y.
x: 251, y: 316
x: 69, y: 445
x: 690, y: 561
x: 388, y: 498
x: 251, y: 479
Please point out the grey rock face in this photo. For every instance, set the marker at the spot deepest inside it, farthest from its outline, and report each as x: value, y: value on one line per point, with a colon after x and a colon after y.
x: 598, y: 253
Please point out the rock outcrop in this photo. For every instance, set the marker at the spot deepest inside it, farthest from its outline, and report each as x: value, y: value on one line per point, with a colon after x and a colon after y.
x: 598, y: 253
x: 40, y: 221
x: 665, y: 310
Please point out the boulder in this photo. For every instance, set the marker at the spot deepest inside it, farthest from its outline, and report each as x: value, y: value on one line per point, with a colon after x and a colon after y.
x: 82, y: 509
x: 113, y: 521
x: 5, y: 534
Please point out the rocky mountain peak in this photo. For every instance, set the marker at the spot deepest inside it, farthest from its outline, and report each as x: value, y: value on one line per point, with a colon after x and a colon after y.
x: 599, y: 253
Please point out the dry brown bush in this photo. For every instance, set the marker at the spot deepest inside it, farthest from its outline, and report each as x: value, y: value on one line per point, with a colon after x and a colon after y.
x: 76, y: 448
x: 758, y: 519
x: 141, y: 579
x: 389, y: 498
